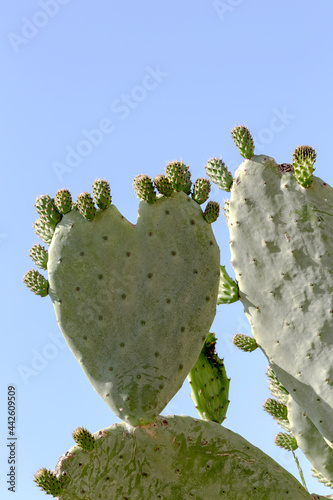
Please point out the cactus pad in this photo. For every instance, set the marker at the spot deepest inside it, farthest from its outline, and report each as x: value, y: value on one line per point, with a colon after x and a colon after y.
x: 173, y: 458
x: 281, y: 241
x: 135, y: 303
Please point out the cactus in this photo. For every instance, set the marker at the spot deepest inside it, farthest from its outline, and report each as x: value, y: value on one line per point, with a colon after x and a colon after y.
x: 149, y: 291
x: 244, y: 342
x: 174, y: 457
x: 228, y: 288
x: 219, y: 174
x: 281, y: 242
x: 209, y: 383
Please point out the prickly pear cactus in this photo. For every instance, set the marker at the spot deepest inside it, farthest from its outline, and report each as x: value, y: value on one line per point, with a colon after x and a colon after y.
x: 281, y: 240
x: 173, y: 458
x: 134, y: 302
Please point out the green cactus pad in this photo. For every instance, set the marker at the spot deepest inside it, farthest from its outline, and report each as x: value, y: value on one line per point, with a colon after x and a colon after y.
x: 85, y: 205
x: 244, y: 342
x: 219, y: 174
x: 63, y: 201
x: 209, y: 383
x: 102, y: 193
x: 44, y: 230
x: 39, y: 255
x: 179, y: 176
x: 281, y: 242
x: 84, y: 438
x: 47, y: 210
x: 228, y: 288
x: 174, y: 458
x: 243, y: 141
x: 286, y: 441
x: 48, y: 482
x: 212, y: 211
x: 201, y: 190
x: 36, y: 282
x: 304, y: 158
x: 144, y: 189
x: 163, y: 185
x: 310, y: 441
x: 137, y: 317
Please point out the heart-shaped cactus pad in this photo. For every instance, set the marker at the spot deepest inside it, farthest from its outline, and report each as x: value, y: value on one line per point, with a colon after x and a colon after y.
x: 135, y: 302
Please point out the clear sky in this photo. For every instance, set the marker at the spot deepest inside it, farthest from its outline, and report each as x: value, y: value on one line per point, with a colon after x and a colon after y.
x: 110, y: 90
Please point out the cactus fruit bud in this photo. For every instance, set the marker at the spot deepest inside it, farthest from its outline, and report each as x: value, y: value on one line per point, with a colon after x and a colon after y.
x: 36, y: 282
x: 163, y: 185
x: 48, y: 482
x: 212, y: 211
x: 219, y: 174
x: 84, y: 438
x: 47, y: 210
x: 201, y: 190
x: 39, y: 255
x: 179, y: 176
x: 286, y: 441
x: 277, y: 390
x: 63, y: 201
x: 228, y: 288
x: 102, y: 193
x: 144, y: 189
x: 209, y: 383
x: 303, y: 161
x: 85, y: 205
x: 276, y: 409
x: 243, y: 140
x: 44, y: 231
x: 244, y: 342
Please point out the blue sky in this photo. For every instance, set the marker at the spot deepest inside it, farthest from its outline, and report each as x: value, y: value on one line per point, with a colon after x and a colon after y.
x: 110, y: 90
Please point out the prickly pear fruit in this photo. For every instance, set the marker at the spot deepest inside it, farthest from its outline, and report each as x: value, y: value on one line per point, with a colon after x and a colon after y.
x: 286, y: 441
x: 36, y: 282
x: 84, y: 438
x: 173, y: 458
x: 243, y: 140
x: 244, y: 342
x: 219, y: 174
x: 212, y: 211
x: 63, y: 201
x: 48, y: 482
x: 303, y: 161
x: 179, y: 176
x: 209, y: 383
x: 163, y: 185
x: 39, y: 256
x: 201, y: 190
x: 281, y: 241
x: 144, y: 189
x: 85, y: 205
x: 102, y: 193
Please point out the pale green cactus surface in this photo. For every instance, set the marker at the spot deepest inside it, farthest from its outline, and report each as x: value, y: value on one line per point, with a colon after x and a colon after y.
x: 281, y: 240
x: 174, y: 458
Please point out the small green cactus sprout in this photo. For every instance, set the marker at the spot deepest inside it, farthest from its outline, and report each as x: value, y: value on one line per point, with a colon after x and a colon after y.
x: 47, y: 210
x: 48, y: 482
x: 277, y: 389
x: 179, y: 176
x: 201, y: 190
x: 102, y: 193
x: 228, y: 288
x: 276, y: 409
x: 163, y: 185
x: 36, y: 282
x: 212, y: 211
x: 243, y: 141
x: 209, y: 383
x: 39, y: 255
x: 244, y: 342
x: 44, y: 231
x: 304, y: 158
x: 84, y: 438
x: 85, y: 205
x: 63, y: 201
x: 286, y: 441
x: 219, y: 174
x: 144, y: 189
